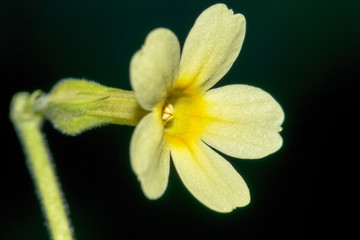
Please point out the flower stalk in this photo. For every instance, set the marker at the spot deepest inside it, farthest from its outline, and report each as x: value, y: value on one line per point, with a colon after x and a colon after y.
x: 28, y: 124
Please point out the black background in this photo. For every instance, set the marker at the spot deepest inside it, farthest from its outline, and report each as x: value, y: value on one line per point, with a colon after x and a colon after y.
x: 305, y: 53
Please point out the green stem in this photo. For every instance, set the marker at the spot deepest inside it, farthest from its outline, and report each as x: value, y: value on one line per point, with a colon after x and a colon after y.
x: 28, y: 124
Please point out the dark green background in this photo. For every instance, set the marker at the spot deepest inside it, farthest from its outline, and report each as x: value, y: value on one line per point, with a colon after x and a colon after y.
x: 305, y: 53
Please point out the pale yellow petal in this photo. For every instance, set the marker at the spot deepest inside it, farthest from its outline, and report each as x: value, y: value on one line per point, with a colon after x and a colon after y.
x: 150, y: 156
x: 244, y: 121
x: 154, y: 67
x: 211, y: 47
x: 209, y: 177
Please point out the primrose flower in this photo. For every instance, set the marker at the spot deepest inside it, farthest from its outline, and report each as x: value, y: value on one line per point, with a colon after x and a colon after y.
x: 186, y: 119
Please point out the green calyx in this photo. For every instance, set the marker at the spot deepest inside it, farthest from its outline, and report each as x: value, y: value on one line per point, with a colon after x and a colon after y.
x: 74, y: 106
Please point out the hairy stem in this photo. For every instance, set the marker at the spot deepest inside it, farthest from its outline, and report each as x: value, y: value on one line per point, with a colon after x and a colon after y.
x: 28, y: 124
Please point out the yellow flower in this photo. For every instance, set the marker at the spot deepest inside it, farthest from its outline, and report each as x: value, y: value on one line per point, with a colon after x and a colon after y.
x: 186, y: 119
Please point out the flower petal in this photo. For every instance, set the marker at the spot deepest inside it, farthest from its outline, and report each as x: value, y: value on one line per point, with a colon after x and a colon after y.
x: 154, y: 67
x: 211, y: 47
x: 150, y: 156
x: 244, y: 121
x: 209, y: 177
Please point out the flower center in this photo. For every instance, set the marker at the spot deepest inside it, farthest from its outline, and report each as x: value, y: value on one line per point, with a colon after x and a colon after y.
x: 167, y: 113
x: 183, y: 115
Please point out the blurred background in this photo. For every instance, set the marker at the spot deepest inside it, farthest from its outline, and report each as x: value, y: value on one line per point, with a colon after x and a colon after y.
x: 305, y: 53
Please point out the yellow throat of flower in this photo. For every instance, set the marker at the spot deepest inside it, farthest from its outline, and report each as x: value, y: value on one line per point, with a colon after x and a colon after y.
x: 183, y: 115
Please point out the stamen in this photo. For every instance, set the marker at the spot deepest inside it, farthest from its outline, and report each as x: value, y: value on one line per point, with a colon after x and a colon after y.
x: 167, y: 113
